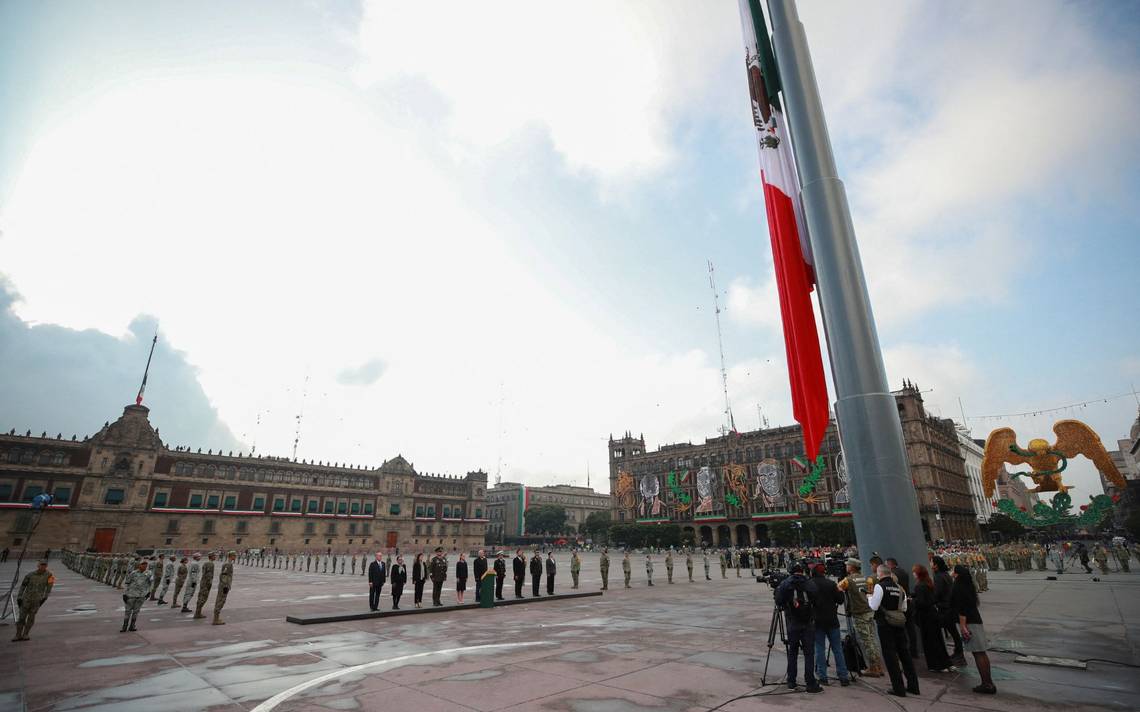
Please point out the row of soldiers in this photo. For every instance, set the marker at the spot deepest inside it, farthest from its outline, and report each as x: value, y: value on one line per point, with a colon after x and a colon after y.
x: 143, y: 579
x: 327, y: 563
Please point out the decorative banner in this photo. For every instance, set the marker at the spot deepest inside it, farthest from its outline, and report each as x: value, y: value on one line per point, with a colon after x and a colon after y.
x: 682, y: 501
x: 843, y: 494
x: 769, y: 484
x: 807, y: 488
x: 736, y: 485
x: 706, y: 486
x: 651, y: 504
x: 1045, y: 515
x: 624, y: 491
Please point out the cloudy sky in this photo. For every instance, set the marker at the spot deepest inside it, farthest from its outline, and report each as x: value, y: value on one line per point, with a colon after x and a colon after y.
x: 477, y: 234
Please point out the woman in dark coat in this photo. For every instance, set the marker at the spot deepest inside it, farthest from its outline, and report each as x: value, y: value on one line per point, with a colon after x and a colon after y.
x: 460, y: 577
x: 419, y: 575
x: 964, y: 603
x: 929, y: 622
x: 398, y: 577
x: 942, y: 586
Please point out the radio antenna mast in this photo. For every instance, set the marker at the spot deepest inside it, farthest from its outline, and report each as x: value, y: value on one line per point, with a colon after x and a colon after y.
x: 731, y: 426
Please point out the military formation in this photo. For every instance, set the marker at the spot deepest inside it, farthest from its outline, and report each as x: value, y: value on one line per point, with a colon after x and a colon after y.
x: 143, y: 579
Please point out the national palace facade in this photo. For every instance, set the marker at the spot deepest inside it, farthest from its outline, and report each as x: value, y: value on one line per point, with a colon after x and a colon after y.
x: 727, y: 489
x: 123, y: 489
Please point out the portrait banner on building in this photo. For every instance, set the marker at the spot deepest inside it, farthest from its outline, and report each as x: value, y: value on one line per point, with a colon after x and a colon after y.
x: 650, y: 506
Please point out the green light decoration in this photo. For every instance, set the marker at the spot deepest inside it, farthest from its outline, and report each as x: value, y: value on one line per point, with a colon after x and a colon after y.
x: 679, y: 493
x: 732, y: 499
x: 810, y: 482
x: 1058, y: 511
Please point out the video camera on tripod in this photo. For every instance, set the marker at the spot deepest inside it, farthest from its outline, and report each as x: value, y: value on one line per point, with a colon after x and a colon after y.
x: 773, y: 578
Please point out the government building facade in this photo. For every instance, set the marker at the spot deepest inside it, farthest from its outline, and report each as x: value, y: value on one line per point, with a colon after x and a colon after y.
x: 123, y: 489
x: 726, y: 490
x: 507, y: 503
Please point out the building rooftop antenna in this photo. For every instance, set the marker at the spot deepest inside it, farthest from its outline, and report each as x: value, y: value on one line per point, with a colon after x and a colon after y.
x: 731, y: 423
x: 499, y: 457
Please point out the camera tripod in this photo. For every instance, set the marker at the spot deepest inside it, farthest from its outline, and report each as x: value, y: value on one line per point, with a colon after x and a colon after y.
x: 777, y: 625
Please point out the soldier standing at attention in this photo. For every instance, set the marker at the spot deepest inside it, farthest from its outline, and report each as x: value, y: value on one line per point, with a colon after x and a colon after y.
x: 225, y: 580
x: 34, y: 590
x: 205, y: 583
x: 500, y: 575
x: 179, y: 582
x: 669, y: 565
x: 705, y: 556
x: 736, y: 562
x: 167, y: 575
x: 723, y: 564
x: 575, y: 568
x: 437, y: 571
x: 155, y: 571
x: 518, y: 566
x: 1124, y: 557
x: 625, y: 568
x: 138, y: 586
x: 551, y: 568
x: 689, y: 563
x: 649, y: 568
x: 604, y: 565
x: 535, y: 573
x: 191, y: 582
x: 1100, y: 555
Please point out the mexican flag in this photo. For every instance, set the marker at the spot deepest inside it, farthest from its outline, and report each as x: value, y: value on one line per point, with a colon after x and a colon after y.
x: 791, y: 252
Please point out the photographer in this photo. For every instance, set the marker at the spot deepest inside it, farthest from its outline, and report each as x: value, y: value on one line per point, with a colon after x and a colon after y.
x: 826, y: 598
x: 794, y: 597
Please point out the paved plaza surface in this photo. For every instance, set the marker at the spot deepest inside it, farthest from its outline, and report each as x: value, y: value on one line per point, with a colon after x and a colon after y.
x: 686, y: 646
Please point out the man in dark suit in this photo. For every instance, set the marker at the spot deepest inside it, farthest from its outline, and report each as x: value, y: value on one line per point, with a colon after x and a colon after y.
x: 535, y: 573
x: 550, y: 570
x: 399, y: 576
x: 519, y: 564
x: 480, y: 568
x: 500, y: 575
x: 377, y: 575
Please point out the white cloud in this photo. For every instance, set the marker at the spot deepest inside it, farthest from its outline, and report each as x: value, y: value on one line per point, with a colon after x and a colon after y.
x: 606, y: 80
x: 754, y: 304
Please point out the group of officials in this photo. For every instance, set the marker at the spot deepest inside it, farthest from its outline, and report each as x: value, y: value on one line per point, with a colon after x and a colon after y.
x: 142, y: 579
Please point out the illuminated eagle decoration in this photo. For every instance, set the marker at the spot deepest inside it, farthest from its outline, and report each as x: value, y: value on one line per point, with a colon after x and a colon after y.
x: 1048, y: 461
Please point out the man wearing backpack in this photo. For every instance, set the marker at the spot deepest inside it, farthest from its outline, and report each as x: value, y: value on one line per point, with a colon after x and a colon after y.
x: 889, y: 604
x: 826, y: 598
x: 794, y: 597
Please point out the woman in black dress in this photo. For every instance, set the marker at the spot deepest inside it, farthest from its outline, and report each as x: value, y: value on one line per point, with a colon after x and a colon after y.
x: 460, y: 577
x: 929, y: 623
x: 398, y: 577
x: 419, y: 575
x: 943, y: 584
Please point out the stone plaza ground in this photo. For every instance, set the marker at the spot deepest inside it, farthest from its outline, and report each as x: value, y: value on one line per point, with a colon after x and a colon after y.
x: 688, y: 646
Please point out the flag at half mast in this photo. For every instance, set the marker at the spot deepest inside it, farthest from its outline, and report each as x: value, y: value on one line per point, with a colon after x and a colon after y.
x: 791, y: 252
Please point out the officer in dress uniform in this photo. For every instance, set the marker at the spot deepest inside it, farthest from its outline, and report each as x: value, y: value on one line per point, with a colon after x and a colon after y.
x: 500, y: 575
x: 519, y: 569
x: 551, y: 569
x: 225, y: 581
x: 437, y: 571
x: 535, y: 573
x: 34, y: 590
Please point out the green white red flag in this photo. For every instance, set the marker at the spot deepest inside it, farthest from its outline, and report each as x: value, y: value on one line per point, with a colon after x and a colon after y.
x: 791, y: 251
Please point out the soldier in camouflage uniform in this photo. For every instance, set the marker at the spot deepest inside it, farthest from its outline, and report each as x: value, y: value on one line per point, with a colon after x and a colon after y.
x: 138, y: 587
x: 205, y: 583
x: 575, y: 567
x: 689, y: 563
x: 604, y: 566
x: 34, y: 590
x: 156, y: 569
x: 1124, y: 556
x: 179, y: 582
x: 723, y: 565
x: 167, y: 576
x: 225, y: 580
x: 669, y: 565
x: 191, y: 582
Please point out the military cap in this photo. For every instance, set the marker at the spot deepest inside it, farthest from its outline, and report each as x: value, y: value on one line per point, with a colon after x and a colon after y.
x: 855, y: 562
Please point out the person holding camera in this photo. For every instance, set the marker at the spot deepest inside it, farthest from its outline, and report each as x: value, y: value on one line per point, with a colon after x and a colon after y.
x: 888, y: 601
x: 798, y: 603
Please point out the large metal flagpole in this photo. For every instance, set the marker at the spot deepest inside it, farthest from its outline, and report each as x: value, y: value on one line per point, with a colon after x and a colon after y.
x: 883, y: 499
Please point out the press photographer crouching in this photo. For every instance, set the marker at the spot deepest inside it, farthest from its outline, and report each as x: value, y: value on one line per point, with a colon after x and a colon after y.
x: 796, y: 599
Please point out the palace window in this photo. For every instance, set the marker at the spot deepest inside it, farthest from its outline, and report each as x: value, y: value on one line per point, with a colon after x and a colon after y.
x: 310, y: 527
x: 446, y: 511
x: 207, y: 526
x: 30, y: 492
x: 431, y: 510
x: 393, y: 508
x: 419, y: 510
x: 62, y: 495
x: 342, y: 507
x: 279, y: 504
x: 171, y: 526
x: 356, y: 507
x: 160, y: 499
x: 259, y: 503
x: 230, y: 502
x: 368, y: 508
x: 114, y: 496
x: 328, y: 506
x: 478, y: 513
x: 241, y: 527
x: 212, y: 502
x: 275, y: 527
x: 352, y: 528
x: 331, y: 528
x: 314, y: 505
x: 5, y: 491
x: 195, y: 501
x: 295, y: 505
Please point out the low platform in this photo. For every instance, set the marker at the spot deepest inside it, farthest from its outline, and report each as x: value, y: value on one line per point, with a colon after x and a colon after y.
x: 315, y: 618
